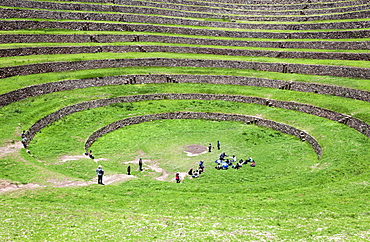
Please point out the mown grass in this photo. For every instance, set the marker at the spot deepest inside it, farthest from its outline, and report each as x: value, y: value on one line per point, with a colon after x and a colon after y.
x: 289, y: 196
x: 35, y: 45
x: 287, y: 191
x: 33, y: 59
x: 16, y: 82
x: 187, y: 26
x: 21, y: 115
x: 68, y: 31
x: 223, y: 19
x: 225, y: 15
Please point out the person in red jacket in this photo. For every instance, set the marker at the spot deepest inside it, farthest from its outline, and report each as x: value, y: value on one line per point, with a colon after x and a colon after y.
x: 177, y: 177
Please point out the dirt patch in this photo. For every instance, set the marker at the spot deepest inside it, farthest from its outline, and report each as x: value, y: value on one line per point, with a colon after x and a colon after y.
x: 66, y: 158
x: 194, y: 150
x: 319, y: 166
x: 10, y: 148
x: 6, y: 186
x: 109, y: 179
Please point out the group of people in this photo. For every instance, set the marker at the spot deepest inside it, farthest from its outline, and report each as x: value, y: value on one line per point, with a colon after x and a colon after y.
x: 224, y: 163
x: 100, y: 171
x: 140, y: 167
x: 90, y: 155
x: 210, y: 147
x: 196, y: 173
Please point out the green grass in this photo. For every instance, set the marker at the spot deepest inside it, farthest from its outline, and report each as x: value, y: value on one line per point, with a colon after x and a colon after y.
x: 39, y: 45
x: 34, y: 59
x: 67, y: 31
x: 37, y: 107
x: 288, y: 189
x: 289, y: 196
x: 223, y: 19
x: 222, y: 15
x: 188, y: 26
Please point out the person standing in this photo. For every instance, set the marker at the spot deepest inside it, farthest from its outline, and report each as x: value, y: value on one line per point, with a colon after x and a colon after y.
x: 218, y: 145
x: 129, y: 170
x: 210, y: 148
x: 140, y: 164
x: 100, y: 173
x: 177, y: 177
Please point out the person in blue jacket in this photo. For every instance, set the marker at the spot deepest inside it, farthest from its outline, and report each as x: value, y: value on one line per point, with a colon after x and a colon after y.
x: 100, y: 173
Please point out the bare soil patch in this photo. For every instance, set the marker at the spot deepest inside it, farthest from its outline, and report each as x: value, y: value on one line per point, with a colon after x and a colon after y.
x: 109, y: 179
x: 10, y: 148
x: 194, y: 150
x: 6, y: 186
x: 66, y: 158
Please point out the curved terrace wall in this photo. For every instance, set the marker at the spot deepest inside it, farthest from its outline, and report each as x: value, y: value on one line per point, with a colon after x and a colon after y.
x: 275, y: 5
x: 95, y: 26
x: 360, y: 126
x: 284, y: 128
x: 322, y: 70
x: 183, y: 10
x: 45, y: 88
x: 42, y: 14
x: 106, y: 38
x: 182, y: 49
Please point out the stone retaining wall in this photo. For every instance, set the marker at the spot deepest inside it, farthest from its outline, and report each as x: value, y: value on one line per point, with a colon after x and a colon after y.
x: 75, y: 38
x: 284, y: 128
x: 163, y: 9
x: 180, y: 49
x: 254, y: 5
x: 45, y: 88
x: 359, y: 125
x: 339, y: 71
x: 42, y: 14
x: 96, y: 26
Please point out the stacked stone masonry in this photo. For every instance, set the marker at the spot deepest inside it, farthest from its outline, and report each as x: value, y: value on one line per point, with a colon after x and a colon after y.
x: 359, y: 125
x: 188, y: 11
x: 73, y: 38
x: 252, y: 5
x: 177, y: 49
x: 96, y: 26
x: 284, y: 128
x: 129, y: 18
x: 45, y: 88
x: 325, y: 70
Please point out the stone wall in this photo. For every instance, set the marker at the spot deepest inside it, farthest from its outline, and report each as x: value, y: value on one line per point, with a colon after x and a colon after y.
x: 103, y: 38
x: 45, y: 88
x: 359, y: 125
x: 284, y: 128
x: 134, y: 18
x: 324, y: 70
x: 256, y: 5
x: 163, y: 9
x: 101, y: 26
x: 181, y: 49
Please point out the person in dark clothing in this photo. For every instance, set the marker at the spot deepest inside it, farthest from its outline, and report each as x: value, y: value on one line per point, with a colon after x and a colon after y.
x: 210, y: 148
x: 177, y: 177
x: 91, y: 155
x: 222, y: 156
x: 201, y: 166
x: 129, y: 170
x: 190, y: 172
x: 100, y: 173
x: 237, y: 166
x: 218, y: 145
x: 140, y: 164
